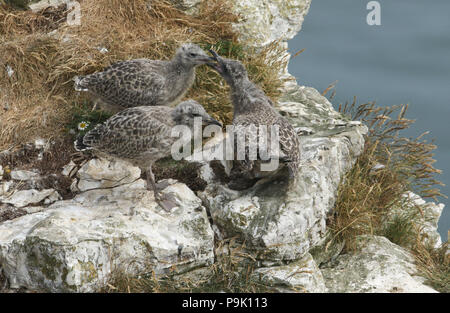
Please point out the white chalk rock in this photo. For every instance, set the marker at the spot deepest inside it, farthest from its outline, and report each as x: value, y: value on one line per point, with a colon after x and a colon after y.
x: 261, y: 21
x: 265, y: 21
x: 24, y: 175
x: 4, y: 188
x: 103, y: 173
x: 68, y: 170
x: 74, y: 245
x: 283, y: 225
x: 378, y: 266
x: 37, y: 6
x: 299, y: 276
x: 23, y: 198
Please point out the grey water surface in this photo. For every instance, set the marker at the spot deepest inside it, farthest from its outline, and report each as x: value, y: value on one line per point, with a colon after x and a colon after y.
x: 404, y: 60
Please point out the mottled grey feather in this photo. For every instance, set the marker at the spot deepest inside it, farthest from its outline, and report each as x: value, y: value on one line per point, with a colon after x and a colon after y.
x: 253, y: 107
x: 144, y: 82
x: 142, y: 135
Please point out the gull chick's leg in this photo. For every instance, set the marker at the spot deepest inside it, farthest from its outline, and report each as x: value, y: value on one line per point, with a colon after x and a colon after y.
x: 150, y: 179
x: 162, y: 185
x: 167, y: 202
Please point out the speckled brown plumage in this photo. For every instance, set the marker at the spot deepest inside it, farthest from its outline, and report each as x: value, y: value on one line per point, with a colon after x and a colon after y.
x: 142, y: 135
x: 253, y: 107
x: 146, y: 82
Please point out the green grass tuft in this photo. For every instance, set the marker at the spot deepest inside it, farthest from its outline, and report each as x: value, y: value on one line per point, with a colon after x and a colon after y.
x: 366, y: 197
x: 83, y: 113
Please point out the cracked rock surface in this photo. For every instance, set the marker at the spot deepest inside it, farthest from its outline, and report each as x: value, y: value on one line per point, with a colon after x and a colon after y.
x: 73, y: 245
x: 378, y: 266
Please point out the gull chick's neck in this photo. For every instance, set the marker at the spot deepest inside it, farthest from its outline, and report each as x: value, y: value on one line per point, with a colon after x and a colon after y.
x: 243, y: 95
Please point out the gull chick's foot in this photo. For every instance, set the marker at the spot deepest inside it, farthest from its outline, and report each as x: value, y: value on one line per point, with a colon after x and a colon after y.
x: 166, y: 201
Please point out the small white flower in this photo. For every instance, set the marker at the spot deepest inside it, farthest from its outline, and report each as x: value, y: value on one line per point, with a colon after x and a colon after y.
x: 83, y: 125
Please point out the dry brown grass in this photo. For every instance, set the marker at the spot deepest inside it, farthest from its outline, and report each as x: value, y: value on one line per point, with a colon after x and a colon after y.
x: 230, y: 273
x: 433, y: 264
x: 366, y: 196
x: 38, y: 99
x: 17, y: 22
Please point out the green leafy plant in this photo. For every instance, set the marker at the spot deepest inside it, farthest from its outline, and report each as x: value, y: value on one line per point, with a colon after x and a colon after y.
x: 84, y: 118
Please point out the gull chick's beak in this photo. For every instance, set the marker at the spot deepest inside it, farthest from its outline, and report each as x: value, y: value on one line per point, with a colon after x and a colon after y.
x: 215, y: 55
x: 215, y: 66
x: 212, y: 122
x: 208, y: 59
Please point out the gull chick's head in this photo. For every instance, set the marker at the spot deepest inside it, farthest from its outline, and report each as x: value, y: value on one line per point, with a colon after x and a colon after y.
x: 187, y: 111
x: 232, y: 71
x: 193, y: 55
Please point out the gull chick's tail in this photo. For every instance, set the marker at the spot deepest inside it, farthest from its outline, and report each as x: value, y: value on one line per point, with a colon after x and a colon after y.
x: 80, y: 83
x: 91, y: 139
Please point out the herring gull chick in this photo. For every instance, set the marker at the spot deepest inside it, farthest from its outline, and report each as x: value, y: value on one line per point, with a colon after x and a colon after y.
x: 252, y: 107
x: 144, y: 82
x: 142, y: 135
